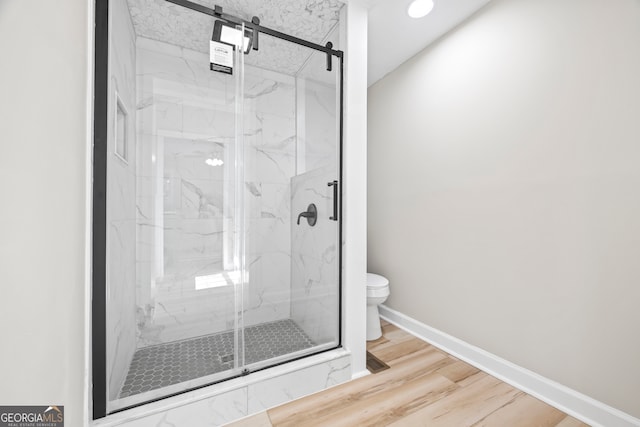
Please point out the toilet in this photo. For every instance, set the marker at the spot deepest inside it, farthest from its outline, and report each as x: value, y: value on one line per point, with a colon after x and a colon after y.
x: 377, y: 293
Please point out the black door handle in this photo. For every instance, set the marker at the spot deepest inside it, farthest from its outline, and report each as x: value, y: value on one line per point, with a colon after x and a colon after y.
x: 334, y: 184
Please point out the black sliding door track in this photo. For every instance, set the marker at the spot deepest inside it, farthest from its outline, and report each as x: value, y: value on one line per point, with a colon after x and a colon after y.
x: 255, y: 27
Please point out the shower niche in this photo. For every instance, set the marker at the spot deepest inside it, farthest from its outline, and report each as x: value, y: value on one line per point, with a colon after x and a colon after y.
x: 207, y: 274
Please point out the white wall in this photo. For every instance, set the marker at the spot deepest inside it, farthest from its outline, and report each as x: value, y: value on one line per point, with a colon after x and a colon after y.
x: 43, y: 134
x: 503, y: 189
x: 354, y: 221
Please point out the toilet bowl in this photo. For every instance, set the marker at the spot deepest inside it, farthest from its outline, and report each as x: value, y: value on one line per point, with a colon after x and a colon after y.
x: 377, y: 293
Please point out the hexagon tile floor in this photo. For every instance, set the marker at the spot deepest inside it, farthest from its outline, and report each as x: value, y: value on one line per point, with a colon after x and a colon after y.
x: 171, y: 363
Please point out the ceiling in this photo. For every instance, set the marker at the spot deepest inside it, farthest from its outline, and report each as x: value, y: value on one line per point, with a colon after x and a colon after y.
x: 312, y: 20
x: 394, y: 37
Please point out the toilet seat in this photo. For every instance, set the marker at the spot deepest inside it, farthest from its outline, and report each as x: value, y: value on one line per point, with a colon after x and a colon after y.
x: 375, y: 281
x: 382, y: 292
x: 377, y: 286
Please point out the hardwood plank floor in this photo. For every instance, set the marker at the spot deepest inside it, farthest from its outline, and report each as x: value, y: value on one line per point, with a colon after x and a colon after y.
x: 423, y: 387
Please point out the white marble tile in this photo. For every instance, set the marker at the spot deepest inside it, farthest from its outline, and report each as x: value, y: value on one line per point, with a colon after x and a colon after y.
x: 269, y: 235
x: 314, y: 162
x: 198, y: 120
x: 275, y: 391
x: 181, y: 311
x: 267, y: 295
x: 163, y: 62
x: 120, y: 307
x: 316, y: 312
x: 267, y: 311
x: 321, y: 127
x: 193, y: 238
x: 278, y: 132
x: 178, y: 268
x: 268, y: 201
x: 214, y: 411
x: 192, y: 199
x: 145, y: 206
x: 145, y: 118
x: 123, y: 52
x: 120, y: 189
x: 147, y: 157
x: 263, y: 165
x: 168, y: 116
x: 164, y: 70
x: 271, y: 96
x: 157, y: 46
x: 195, y: 159
x: 148, y: 236
x: 275, y: 75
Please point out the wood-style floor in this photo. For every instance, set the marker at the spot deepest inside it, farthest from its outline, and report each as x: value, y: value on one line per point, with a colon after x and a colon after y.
x: 423, y: 387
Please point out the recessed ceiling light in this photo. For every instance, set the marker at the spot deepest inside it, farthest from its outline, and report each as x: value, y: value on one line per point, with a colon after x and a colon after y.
x: 419, y: 8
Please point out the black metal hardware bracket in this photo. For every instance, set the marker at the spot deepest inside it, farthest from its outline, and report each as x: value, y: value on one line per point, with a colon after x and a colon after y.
x: 255, y: 26
x: 329, y: 45
x: 255, y: 21
x: 334, y: 184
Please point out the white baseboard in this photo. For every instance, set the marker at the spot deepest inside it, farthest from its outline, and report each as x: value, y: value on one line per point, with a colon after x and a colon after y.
x: 360, y: 374
x: 578, y: 405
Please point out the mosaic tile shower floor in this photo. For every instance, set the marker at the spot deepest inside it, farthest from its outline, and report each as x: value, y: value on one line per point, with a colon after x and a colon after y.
x: 171, y: 363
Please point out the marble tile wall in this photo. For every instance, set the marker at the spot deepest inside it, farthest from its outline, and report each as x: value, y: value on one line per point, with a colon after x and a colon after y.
x: 186, y: 118
x: 321, y: 127
x: 121, y: 206
x: 269, y: 164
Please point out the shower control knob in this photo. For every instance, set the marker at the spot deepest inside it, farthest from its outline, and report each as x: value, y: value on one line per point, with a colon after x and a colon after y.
x: 311, y: 214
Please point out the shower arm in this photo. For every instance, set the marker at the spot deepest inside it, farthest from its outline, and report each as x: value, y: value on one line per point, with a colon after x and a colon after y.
x: 255, y: 26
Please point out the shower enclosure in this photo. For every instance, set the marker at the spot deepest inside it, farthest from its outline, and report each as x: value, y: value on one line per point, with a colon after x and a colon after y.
x: 217, y: 195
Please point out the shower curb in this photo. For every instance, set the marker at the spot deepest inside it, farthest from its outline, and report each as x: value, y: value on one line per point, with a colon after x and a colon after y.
x: 242, y: 396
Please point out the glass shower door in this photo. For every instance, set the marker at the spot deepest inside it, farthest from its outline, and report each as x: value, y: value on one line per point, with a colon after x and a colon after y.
x: 175, y: 224
x: 291, y: 115
x: 222, y: 229
x: 316, y: 249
